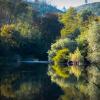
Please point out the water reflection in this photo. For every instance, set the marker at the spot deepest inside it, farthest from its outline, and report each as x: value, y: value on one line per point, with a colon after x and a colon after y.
x: 26, y: 82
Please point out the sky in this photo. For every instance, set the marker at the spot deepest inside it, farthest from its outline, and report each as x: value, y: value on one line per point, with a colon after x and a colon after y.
x: 67, y: 3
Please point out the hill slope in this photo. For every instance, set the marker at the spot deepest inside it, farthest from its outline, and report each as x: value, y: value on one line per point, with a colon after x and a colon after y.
x: 44, y: 8
x: 94, y: 7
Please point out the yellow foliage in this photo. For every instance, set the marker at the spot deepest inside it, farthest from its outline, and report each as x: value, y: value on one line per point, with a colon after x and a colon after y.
x: 82, y: 88
x: 7, y: 29
x: 75, y: 70
x: 82, y: 36
x: 60, y: 71
x: 76, y: 56
x: 66, y: 71
x: 8, y: 34
x: 60, y: 55
x: 6, y: 90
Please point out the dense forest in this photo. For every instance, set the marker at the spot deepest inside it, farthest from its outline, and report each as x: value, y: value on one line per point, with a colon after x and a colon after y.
x: 69, y: 40
x: 76, y: 56
x: 23, y: 31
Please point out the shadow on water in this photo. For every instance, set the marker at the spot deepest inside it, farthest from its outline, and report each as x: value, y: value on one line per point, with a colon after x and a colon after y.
x: 27, y: 81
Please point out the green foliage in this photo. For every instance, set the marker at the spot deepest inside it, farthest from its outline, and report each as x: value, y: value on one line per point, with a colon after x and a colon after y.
x: 75, y: 23
x: 28, y: 33
x: 94, y: 56
x: 93, y: 88
x: 61, y: 56
x: 26, y: 90
x: 86, y: 15
x: 67, y: 19
x: 94, y: 41
x: 9, y: 36
x: 19, y: 36
x: 76, y: 57
x: 61, y: 44
x: 71, y: 93
x: 12, y: 9
x: 60, y: 72
x: 25, y: 29
x: 31, y: 31
x: 87, y: 36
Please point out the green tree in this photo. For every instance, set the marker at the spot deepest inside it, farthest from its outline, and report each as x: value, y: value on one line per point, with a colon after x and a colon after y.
x: 86, y: 15
x: 10, y: 10
x: 60, y: 44
x: 94, y: 41
x: 70, y: 21
x: 9, y: 35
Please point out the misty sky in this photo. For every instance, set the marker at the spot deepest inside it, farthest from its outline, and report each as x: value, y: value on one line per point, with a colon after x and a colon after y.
x: 67, y: 3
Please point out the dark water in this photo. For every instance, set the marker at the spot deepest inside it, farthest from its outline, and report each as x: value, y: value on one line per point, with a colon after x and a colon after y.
x: 24, y: 81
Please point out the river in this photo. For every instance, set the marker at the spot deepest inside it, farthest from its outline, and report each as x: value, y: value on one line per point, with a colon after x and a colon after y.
x: 26, y: 81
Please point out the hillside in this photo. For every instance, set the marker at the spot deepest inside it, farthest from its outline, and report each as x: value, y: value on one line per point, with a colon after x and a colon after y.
x: 44, y: 8
x: 47, y: 8
x: 94, y: 7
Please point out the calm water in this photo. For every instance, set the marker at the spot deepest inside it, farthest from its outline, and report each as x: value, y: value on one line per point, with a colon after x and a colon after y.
x: 25, y: 81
